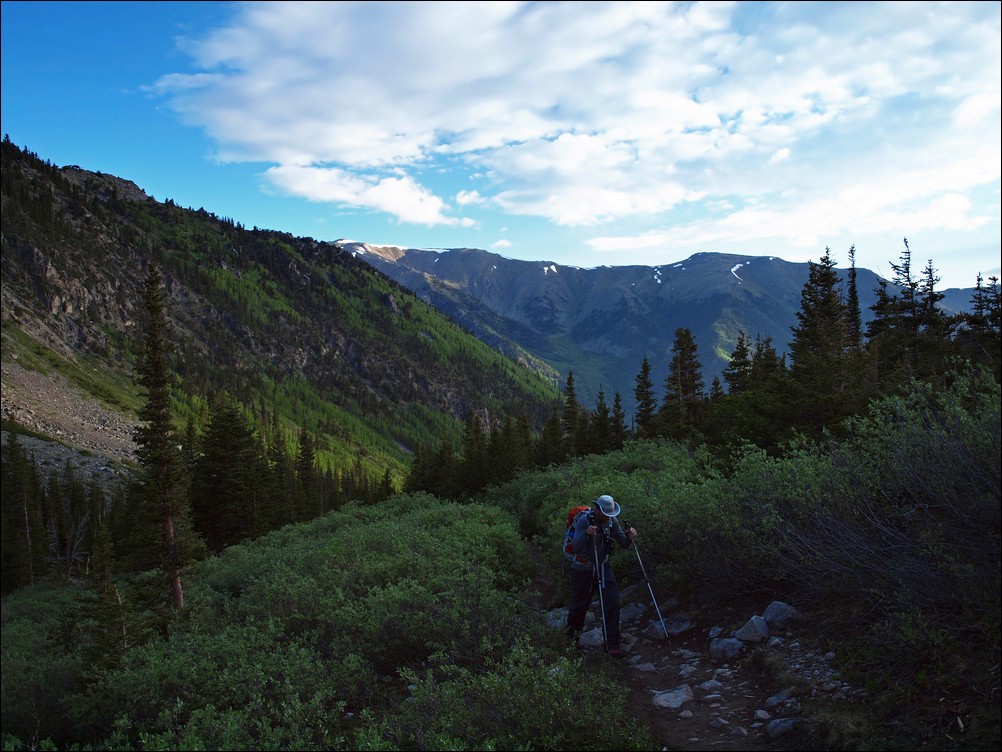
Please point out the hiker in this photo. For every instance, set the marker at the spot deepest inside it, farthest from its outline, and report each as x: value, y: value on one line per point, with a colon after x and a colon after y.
x: 591, y: 573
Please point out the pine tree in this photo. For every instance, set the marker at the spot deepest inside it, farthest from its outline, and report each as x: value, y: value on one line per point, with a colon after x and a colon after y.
x: 893, y: 334
x: 162, y: 488
x: 737, y: 372
x: 550, y: 448
x: 979, y: 338
x: 716, y: 389
x: 599, y: 436
x: 854, y: 319
x: 570, y: 418
x: 645, y: 418
x: 819, y: 347
x: 684, y: 398
x: 279, y: 506
x: 620, y: 433
x: 934, y: 337
x: 444, y: 471
x: 420, y: 475
x: 766, y: 362
x: 21, y: 522
x: 906, y: 282
x: 117, y: 625
x: 473, y: 468
x: 307, y: 478
x: 226, y: 495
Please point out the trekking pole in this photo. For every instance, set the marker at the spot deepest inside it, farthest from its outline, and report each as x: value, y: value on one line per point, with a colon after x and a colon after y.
x: 600, y: 576
x: 648, y: 581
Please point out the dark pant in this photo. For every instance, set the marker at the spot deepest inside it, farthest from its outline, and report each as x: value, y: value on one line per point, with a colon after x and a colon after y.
x: 584, y: 587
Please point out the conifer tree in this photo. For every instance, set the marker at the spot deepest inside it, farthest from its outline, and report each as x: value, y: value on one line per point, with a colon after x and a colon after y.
x: 473, y: 468
x: 226, y: 489
x: 620, y: 432
x: 934, y: 336
x: 819, y: 347
x: 570, y: 418
x: 979, y: 338
x: 117, y: 623
x: 737, y: 372
x: 279, y: 507
x: 420, y: 474
x: 550, y: 448
x: 893, y: 332
x: 599, y: 436
x: 386, y: 487
x: 766, y: 362
x: 716, y: 389
x: 854, y: 319
x: 684, y: 398
x: 904, y: 279
x: 511, y: 448
x: 307, y: 479
x: 21, y: 522
x: 444, y: 471
x: 162, y: 490
x: 646, y: 414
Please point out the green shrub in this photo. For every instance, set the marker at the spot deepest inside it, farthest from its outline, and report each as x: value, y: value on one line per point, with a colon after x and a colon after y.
x: 521, y: 701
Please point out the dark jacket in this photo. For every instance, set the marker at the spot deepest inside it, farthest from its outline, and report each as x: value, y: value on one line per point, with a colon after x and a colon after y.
x: 586, y: 546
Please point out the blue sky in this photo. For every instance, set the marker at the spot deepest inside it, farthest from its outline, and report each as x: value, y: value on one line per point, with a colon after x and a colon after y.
x: 587, y: 134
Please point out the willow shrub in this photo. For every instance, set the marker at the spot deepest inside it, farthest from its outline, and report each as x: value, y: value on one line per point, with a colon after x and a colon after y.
x: 289, y: 641
x: 41, y: 661
x: 522, y: 699
x: 666, y: 491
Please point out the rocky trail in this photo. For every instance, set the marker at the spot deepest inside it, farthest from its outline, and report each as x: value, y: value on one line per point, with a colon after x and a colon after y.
x: 694, y: 698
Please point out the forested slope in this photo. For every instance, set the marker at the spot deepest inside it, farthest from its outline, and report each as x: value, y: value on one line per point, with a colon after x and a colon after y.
x: 301, y: 334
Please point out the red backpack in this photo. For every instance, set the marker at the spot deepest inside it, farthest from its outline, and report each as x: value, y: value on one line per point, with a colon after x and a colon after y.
x: 569, y: 535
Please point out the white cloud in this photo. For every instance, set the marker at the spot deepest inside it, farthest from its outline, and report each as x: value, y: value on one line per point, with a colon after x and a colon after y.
x: 464, y: 198
x: 786, y: 120
x: 780, y: 155
x: 399, y: 196
x: 501, y: 244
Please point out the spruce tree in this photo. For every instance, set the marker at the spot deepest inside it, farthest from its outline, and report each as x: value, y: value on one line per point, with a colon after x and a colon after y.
x: 854, y: 319
x: 21, y: 525
x: 226, y: 497
x: 550, y: 449
x: 819, y: 347
x: 737, y: 372
x: 444, y: 471
x: 570, y: 418
x: 935, y: 335
x: 308, y: 504
x: 279, y: 506
x: 979, y: 337
x: 893, y: 331
x: 599, y: 437
x: 161, y: 487
x: 473, y: 468
x: 620, y: 433
x: 684, y: 398
x: 645, y: 418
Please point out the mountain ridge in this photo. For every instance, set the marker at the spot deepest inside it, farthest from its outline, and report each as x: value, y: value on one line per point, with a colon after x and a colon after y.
x: 299, y: 331
x: 601, y: 322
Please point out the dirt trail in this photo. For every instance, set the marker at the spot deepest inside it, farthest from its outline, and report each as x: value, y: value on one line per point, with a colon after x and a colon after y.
x: 692, y: 702
x: 731, y: 705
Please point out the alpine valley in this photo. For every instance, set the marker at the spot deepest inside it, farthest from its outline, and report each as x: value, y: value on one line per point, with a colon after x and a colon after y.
x: 269, y: 492
x: 369, y: 347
